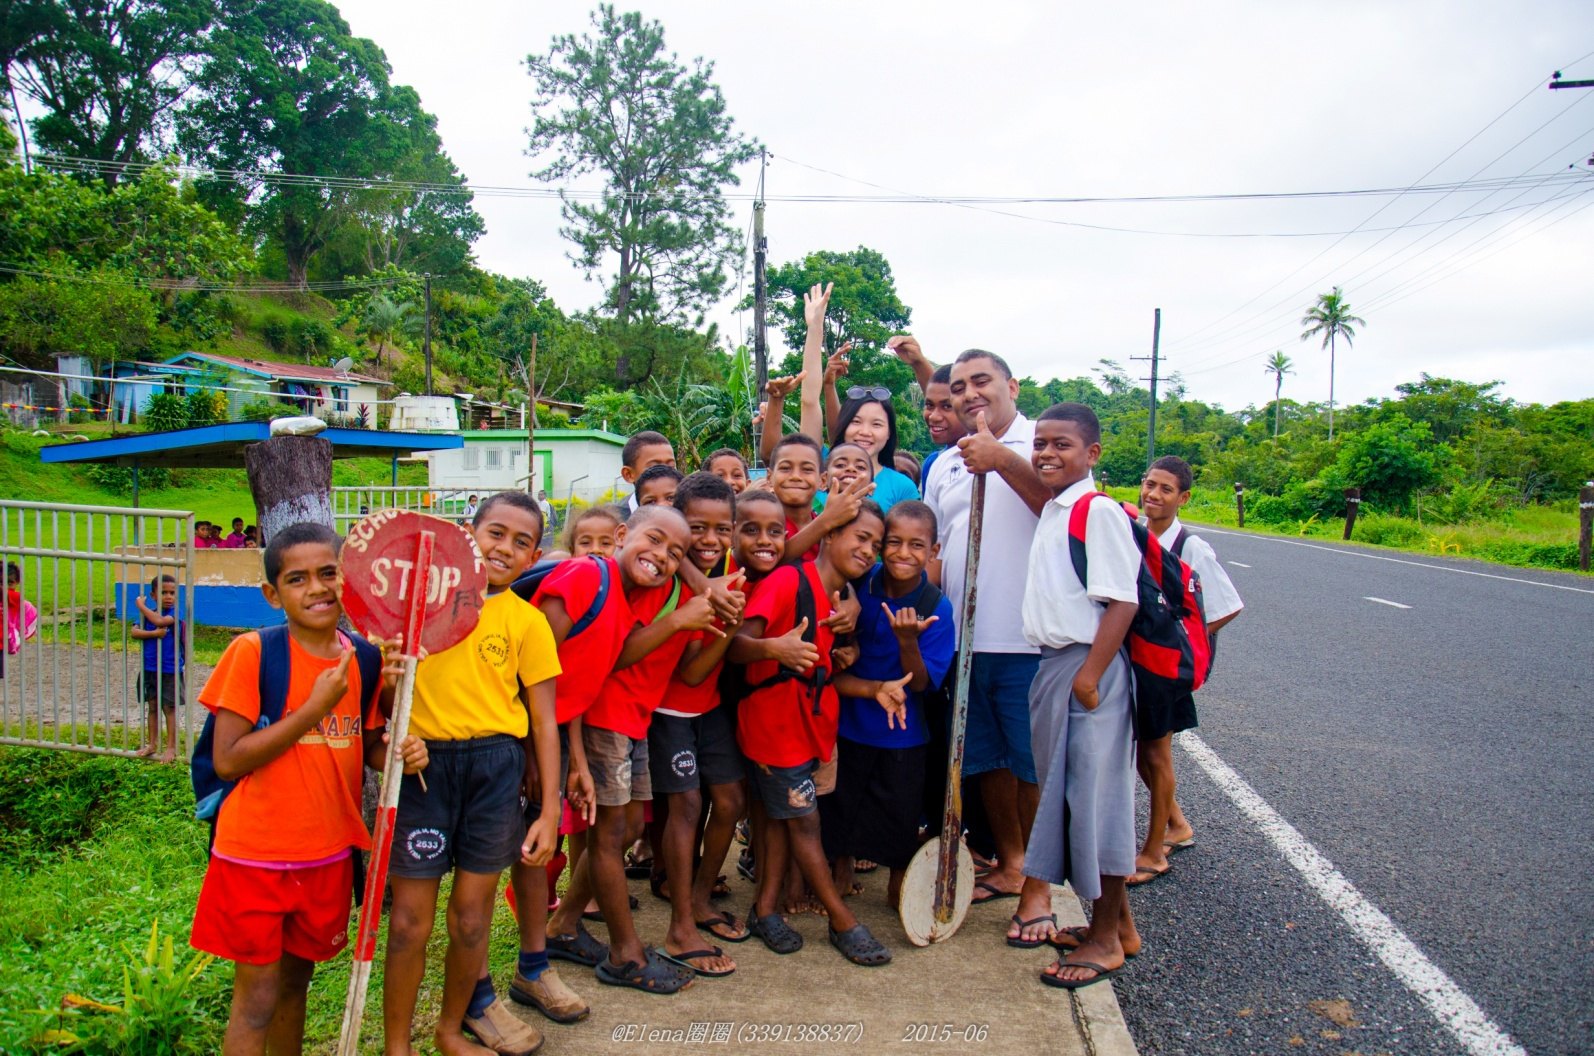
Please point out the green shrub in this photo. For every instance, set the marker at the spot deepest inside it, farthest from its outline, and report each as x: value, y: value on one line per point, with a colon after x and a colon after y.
x: 278, y: 332
x: 205, y: 407
x: 1384, y: 530
x: 311, y: 337
x: 264, y: 409
x: 165, y: 410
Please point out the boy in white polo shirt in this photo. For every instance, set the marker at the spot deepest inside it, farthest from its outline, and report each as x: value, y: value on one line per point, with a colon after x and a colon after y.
x: 1081, y: 704
x: 998, y: 738
x: 1163, y: 492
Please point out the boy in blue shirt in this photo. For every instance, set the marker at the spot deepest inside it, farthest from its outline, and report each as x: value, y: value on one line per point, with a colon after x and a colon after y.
x: 883, y: 754
x: 162, y: 634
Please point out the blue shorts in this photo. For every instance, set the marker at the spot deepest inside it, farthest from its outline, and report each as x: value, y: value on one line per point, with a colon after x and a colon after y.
x: 998, y: 724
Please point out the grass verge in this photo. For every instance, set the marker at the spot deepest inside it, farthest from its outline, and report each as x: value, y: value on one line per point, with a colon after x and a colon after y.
x: 93, y: 850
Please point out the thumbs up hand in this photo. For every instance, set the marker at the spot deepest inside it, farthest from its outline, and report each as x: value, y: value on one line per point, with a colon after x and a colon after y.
x: 791, y: 651
x: 893, y: 696
x: 843, y: 618
x: 982, y: 451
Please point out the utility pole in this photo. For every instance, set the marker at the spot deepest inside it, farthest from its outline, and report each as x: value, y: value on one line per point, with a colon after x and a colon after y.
x: 426, y: 336
x: 1151, y: 428
x: 531, y: 429
x: 760, y: 287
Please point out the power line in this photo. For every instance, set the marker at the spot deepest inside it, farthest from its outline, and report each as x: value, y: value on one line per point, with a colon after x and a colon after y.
x: 90, y: 165
x: 192, y: 284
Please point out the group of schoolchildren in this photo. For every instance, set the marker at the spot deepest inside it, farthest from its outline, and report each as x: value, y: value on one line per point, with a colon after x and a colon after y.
x: 207, y: 536
x: 725, y: 649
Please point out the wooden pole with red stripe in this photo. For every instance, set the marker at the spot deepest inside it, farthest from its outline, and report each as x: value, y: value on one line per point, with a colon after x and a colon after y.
x: 387, y: 807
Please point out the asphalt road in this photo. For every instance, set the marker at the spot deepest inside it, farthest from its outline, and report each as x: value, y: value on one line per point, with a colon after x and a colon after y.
x: 1437, y: 755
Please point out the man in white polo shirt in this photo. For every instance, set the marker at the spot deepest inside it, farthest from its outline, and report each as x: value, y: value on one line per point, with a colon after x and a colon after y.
x: 998, y: 444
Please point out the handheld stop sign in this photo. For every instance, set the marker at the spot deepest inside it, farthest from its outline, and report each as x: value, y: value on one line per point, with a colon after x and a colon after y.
x: 421, y: 577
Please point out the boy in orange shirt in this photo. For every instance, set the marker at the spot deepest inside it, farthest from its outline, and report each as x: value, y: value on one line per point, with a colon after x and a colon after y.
x: 280, y: 882
x: 483, y: 706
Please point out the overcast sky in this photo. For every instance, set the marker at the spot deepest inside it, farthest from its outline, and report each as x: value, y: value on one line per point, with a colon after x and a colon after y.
x: 1050, y: 99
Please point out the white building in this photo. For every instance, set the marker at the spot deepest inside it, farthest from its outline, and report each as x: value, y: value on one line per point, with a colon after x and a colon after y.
x: 579, y: 463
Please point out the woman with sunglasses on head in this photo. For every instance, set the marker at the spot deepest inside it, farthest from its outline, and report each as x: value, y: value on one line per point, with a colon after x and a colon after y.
x: 868, y: 420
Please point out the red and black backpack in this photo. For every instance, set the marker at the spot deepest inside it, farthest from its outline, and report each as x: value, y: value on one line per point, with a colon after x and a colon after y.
x: 1168, y: 643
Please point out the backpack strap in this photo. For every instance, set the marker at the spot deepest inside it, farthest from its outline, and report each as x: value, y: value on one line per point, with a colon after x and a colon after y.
x: 1077, y: 517
x: 671, y: 602
x: 599, y: 600
x: 1179, y: 541
x: 274, y: 674
x: 369, y: 657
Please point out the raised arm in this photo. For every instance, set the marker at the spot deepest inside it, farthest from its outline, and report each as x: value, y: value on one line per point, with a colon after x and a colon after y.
x: 907, y: 349
x: 775, y: 412
x: 835, y: 370
x: 815, y: 301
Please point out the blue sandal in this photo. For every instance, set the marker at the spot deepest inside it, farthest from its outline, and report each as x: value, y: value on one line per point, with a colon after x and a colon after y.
x: 778, y: 935
x: 654, y: 976
x: 581, y: 948
x: 860, y: 946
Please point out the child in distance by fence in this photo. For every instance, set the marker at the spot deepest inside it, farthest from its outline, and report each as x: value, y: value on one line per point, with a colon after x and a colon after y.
x: 164, y: 660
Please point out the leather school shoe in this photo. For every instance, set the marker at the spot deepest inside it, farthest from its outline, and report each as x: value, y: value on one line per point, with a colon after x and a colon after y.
x: 502, y: 1031
x: 549, y: 995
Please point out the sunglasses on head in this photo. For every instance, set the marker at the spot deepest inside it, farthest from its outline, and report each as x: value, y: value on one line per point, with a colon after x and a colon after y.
x: 873, y: 392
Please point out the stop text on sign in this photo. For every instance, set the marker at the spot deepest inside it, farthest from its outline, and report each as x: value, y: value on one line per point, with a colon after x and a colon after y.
x: 389, y: 574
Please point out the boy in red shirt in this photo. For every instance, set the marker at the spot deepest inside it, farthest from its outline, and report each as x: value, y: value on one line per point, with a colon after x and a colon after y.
x: 692, y: 747
x: 623, y: 633
x: 787, y: 726
x: 280, y: 882
x: 794, y: 475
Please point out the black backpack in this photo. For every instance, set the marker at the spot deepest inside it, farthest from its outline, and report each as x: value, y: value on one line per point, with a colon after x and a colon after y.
x: 817, y: 677
x: 210, y: 789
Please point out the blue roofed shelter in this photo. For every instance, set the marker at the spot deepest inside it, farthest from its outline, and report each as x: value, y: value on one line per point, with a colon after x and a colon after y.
x: 227, y: 582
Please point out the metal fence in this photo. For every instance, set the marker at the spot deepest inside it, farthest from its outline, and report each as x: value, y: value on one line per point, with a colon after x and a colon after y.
x: 349, y: 504
x: 73, y: 673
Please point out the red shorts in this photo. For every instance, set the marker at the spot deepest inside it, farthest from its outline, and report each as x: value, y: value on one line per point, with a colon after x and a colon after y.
x: 253, y: 915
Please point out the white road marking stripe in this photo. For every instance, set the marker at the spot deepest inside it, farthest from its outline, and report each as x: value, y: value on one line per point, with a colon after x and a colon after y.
x: 1385, y: 601
x: 1457, y: 1012
x: 1238, y: 564
x: 1397, y: 560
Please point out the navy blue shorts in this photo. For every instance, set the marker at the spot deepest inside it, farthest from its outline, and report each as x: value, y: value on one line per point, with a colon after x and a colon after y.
x: 469, y: 817
x: 786, y: 791
x: 687, y: 754
x: 998, y: 727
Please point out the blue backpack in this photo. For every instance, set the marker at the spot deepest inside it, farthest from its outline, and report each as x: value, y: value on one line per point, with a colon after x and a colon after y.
x: 209, y: 788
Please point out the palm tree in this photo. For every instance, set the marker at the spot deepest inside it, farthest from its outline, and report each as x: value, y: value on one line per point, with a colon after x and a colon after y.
x: 1278, y: 365
x: 1331, y: 317
x: 385, y: 320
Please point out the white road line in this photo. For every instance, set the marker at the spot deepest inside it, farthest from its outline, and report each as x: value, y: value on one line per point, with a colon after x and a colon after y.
x: 1457, y: 1012
x: 1385, y: 601
x: 1396, y: 560
x: 1238, y: 564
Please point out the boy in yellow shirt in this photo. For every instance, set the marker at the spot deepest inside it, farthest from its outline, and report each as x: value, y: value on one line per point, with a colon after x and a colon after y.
x: 480, y: 706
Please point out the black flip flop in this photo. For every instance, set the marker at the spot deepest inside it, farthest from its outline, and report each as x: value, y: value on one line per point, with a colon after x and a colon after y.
x: 1080, y: 984
x: 1081, y: 935
x: 724, y: 920
x: 685, y: 961
x: 996, y: 894
x: 1021, y: 943
x: 1149, y: 874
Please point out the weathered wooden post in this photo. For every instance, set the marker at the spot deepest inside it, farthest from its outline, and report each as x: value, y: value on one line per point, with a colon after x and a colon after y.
x: 1585, y: 535
x: 290, y: 477
x: 1239, y: 504
x: 1353, y: 502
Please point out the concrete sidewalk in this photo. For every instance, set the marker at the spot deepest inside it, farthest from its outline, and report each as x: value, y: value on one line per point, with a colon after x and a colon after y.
x: 971, y: 993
